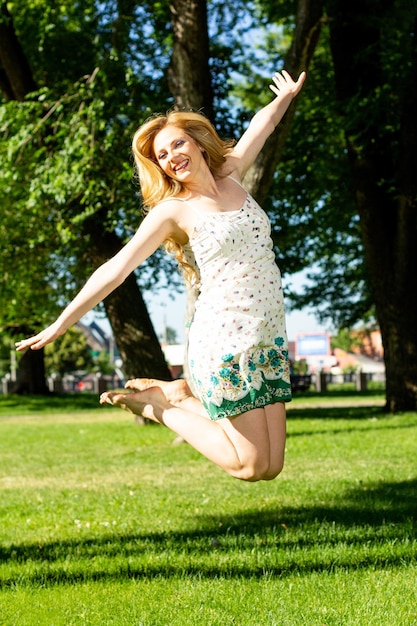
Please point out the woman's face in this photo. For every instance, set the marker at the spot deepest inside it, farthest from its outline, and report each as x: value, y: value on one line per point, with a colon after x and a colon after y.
x: 177, y: 154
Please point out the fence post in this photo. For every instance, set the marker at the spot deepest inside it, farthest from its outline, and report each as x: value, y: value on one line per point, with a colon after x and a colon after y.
x: 99, y: 383
x: 7, y: 384
x: 361, y: 381
x: 55, y: 383
x: 321, y: 382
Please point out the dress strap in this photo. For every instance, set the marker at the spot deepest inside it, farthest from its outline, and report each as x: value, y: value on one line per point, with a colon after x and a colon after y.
x: 235, y: 180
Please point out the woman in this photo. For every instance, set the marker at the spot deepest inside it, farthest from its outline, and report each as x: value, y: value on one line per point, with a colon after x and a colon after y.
x: 191, y: 186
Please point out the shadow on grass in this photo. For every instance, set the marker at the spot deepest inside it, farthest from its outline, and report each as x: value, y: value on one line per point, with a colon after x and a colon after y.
x: 365, y: 415
x: 351, y: 535
x: 349, y: 392
x: 66, y: 402
x: 337, y: 413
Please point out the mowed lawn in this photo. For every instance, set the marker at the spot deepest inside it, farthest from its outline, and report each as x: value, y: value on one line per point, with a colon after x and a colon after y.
x: 107, y: 522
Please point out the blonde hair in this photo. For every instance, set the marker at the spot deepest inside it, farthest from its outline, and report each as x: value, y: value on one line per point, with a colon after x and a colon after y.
x: 155, y: 185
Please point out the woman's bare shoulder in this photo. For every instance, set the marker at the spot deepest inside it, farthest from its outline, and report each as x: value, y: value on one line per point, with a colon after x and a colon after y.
x: 177, y: 211
x: 173, y: 203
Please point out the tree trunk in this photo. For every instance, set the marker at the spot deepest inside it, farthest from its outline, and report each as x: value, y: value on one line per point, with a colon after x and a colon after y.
x: 16, y: 79
x: 384, y: 174
x: 309, y: 19
x: 189, y: 73
x: 134, y: 334
x: 190, y: 84
x: 31, y: 374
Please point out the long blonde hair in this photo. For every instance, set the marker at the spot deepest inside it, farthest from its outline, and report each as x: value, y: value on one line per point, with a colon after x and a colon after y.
x: 155, y: 185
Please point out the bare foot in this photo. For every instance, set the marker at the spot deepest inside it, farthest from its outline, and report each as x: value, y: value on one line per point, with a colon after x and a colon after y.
x: 149, y: 403
x: 175, y: 391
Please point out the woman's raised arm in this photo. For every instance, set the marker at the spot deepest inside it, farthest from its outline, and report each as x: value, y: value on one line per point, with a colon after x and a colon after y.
x: 265, y: 120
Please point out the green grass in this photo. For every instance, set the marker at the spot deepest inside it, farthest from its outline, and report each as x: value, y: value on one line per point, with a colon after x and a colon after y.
x: 105, y: 522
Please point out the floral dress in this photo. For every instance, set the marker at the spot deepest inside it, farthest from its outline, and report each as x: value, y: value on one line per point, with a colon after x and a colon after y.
x: 238, y: 349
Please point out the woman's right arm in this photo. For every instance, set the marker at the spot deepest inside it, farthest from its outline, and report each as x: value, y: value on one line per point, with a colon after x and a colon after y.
x: 154, y: 229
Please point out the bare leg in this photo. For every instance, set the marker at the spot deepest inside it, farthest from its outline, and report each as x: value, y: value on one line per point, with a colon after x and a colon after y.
x: 244, y: 446
x: 177, y: 392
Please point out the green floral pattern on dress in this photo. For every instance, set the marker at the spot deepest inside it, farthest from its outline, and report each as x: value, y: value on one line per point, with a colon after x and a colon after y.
x: 251, y: 381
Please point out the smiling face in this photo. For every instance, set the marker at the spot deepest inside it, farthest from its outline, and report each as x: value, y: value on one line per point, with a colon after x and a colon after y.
x: 177, y: 154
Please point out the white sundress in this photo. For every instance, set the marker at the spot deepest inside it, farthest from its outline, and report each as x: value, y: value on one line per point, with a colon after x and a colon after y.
x: 237, y: 343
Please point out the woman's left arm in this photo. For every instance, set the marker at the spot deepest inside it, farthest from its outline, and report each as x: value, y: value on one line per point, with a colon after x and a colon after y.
x: 264, y: 121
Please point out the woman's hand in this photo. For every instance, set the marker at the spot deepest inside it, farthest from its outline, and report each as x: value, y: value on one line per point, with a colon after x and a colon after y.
x: 284, y: 84
x: 40, y: 340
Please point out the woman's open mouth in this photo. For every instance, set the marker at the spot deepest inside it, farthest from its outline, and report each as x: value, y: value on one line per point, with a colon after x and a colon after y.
x: 180, y: 166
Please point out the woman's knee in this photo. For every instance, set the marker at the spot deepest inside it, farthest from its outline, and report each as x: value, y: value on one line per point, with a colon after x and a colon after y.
x: 273, y: 471
x: 259, y: 469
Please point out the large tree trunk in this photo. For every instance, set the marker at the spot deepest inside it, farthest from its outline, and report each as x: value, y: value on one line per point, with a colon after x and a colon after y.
x: 384, y: 173
x: 134, y: 334
x: 189, y: 73
x: 30, y: 377
x: 190, y: 84
x: 16, y: 79
x: 133, y: 331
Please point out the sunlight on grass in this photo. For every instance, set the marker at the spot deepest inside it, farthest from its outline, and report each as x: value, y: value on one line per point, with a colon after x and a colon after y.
x: 105, y: 522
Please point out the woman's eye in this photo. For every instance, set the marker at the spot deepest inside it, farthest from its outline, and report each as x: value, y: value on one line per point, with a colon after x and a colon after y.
x: 180, y: 142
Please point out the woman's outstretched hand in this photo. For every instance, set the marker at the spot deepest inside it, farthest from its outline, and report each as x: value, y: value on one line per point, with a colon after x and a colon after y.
x: 284, y: 84
x: 41, y: 339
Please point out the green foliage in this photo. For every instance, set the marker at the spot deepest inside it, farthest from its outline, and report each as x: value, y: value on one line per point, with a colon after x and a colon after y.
x: 312, y: 203
x: 103, y: 364
x: 346, y: 340
x: 64, y: 153
x: 65, y: 163
x: 68, y: 353
x: 169, y: 335
x: 105, y: 522
x: 342, y: 340
x: 5, y: 349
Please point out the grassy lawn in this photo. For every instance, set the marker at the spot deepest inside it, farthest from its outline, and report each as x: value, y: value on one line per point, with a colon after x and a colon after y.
x: 106, y: 522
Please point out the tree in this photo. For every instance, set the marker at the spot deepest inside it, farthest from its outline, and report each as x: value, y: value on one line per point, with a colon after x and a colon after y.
x: 379, y: 49
x: 42, y: 134
x: 352, y: 145
x: 346, y: 340
x: 343, y: 198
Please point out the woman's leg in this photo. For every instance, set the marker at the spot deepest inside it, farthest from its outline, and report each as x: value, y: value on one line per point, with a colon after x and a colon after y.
x: 177, y: 392
x: 260, y: 437
x: 244, y: 446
